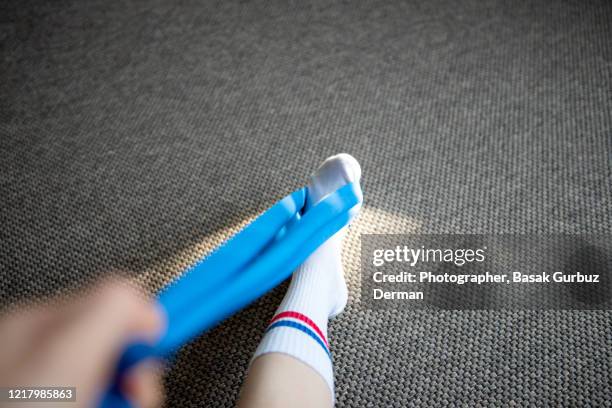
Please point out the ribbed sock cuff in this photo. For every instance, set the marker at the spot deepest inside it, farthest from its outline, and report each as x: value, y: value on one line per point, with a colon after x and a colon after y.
x: 295, y: 334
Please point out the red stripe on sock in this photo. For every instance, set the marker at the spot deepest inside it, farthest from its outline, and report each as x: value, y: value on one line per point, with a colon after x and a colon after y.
x: 303, y: 318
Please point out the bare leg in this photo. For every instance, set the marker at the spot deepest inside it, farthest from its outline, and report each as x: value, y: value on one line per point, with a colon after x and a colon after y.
x: 279, y: 380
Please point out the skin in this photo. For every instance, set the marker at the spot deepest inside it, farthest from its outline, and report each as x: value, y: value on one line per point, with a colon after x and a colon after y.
x: 278, y: 380
x: 77, y: 343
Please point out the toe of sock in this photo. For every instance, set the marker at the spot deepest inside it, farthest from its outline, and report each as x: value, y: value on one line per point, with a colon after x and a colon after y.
x: 335, y: 172
x: 344, y: 165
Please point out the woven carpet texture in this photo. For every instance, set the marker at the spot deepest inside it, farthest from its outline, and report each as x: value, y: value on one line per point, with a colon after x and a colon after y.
x: 138, y: 135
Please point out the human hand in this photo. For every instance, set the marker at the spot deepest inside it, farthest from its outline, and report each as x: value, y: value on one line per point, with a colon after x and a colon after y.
x: 77, y: 343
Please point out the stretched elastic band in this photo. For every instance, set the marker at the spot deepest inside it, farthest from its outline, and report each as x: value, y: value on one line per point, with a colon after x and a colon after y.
x: 266, y: 270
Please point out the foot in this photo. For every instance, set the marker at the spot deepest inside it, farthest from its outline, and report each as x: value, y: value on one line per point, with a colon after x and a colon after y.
x: 326, y: 261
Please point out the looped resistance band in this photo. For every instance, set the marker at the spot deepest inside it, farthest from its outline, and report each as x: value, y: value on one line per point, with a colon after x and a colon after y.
x: 241, y: 270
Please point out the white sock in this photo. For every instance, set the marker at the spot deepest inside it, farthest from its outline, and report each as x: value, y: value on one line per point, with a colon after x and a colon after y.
x: 317, y: 290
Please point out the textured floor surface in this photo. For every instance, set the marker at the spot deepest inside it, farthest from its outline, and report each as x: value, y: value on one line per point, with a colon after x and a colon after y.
x: 138, y: 135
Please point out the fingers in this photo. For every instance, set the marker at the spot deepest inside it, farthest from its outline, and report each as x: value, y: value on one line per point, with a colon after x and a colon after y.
x: 86, y: 339
x: 27, y: 327
x: 20, y: 332
x: 143, y: 385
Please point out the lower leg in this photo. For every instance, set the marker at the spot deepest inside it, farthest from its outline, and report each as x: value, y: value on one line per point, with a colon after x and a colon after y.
x: 292, y: 366
x: 280, y: 380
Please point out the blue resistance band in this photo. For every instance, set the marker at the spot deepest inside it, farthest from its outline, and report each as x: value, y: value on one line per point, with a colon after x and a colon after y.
x: 241, y: 270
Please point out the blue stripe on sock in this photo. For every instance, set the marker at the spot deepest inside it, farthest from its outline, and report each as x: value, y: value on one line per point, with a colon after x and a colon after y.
x: 301, y: 327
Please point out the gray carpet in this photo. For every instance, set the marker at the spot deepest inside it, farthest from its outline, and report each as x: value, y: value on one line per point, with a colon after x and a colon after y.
x: 136, y: 136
